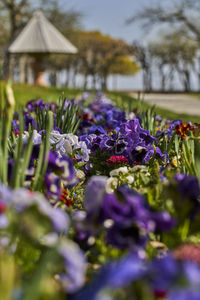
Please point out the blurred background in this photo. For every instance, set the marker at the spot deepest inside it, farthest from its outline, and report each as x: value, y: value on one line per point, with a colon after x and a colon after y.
x: 144, y: 45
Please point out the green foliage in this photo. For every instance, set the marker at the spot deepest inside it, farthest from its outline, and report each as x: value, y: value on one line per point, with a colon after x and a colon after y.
x: 44, y: 153
x: 124, y: 65
x: 6, y: 112
x: 67, y: 116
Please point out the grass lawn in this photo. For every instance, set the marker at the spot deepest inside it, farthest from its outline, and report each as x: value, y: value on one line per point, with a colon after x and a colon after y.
x: 24, y: 93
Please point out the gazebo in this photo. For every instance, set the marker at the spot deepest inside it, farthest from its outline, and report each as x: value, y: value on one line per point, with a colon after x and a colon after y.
x: 38, y: 39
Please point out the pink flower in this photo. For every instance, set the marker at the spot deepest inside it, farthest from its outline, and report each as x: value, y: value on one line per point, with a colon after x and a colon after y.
x: 117, y: 160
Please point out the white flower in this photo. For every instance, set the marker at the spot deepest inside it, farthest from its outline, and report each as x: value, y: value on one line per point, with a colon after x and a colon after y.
x: 68, y: 143
x: 37, y: 138
x: 111, y: 185
x: 130, y: 179
x: 72, y: 138
x: 80, y: 174
x: 50, y: 239
x: 130, y: 116
x: 25, y: 137
x: 116, y: 172
x: 139, y: 168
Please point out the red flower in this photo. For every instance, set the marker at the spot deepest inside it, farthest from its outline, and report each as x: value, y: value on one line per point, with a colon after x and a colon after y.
x: 64, y: 197
x: 16, y: 132
x: 160, y: 294
x: 183, y: 128
x: 85, y: 116
x: 117, y: 160
x: 2, y: 207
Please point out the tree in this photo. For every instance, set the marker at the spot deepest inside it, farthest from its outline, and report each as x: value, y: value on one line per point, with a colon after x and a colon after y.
x: 109, y: 52
x: 179, y: 49
x: 184, y: 13
x: 160, y: 56
x: 18, y: 12
x: 144, y: 58
x: 66, y: 21
x: 178, y: 53
x: 97, y: 56
x: 4, y: 37
x: 124, y: 65
x: 14, y: 14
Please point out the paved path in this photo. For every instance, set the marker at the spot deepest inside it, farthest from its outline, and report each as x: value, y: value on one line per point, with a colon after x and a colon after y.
x: 179, y: 103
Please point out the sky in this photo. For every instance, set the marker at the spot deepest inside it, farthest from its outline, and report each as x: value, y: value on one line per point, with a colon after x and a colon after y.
x: 109, y: 16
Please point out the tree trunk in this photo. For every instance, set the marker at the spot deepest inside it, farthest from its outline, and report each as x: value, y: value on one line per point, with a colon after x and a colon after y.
x: 68, y: 75
x: 144, y: 80
x: 85, y: 81
x: 163, y: 78
x: 187, y: 81
x: 104, y: 83
x: 13, y: 27
x: 171, y: 78
x: 5, y: 67
x: 74, y: 79
x: 198, y: 81
x: 147, y: 80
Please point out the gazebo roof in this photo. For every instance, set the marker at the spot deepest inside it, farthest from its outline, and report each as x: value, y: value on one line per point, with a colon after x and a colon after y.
x: 40, y: 36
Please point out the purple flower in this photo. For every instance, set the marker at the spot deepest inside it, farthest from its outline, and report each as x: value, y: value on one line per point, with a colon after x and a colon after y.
x: 75, y: 266
x: 29, y: 121
x: 123, y: 237
x: 3, y: 221
x: 189, y: 194
x: 192, y: 272
x: 5, y: 194
x: 125, y: 215
x: 97, y: 130
x: 132, y: 218
x: 59, y: 220
x: 188, y: 186
x: 33, y: 105
x: 163, y: 273
x: 184, y: 294
x: 87, y: 138
x: 62, y: 167
x: 23, y: 200
x: 124, y: 207
x: 163, y: 221
x: 15, y: 125
x: 53, y: 186
x: 114, y: 275
x: 94, y: 193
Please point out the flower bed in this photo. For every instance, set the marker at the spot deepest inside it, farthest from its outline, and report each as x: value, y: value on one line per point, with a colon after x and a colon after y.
x: 98, y: 203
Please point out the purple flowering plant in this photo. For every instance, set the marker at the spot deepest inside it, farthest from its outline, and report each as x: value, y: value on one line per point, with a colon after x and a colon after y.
x: 97, y: 202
